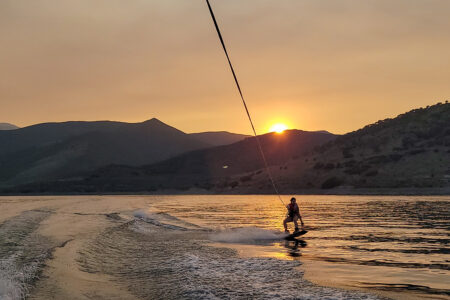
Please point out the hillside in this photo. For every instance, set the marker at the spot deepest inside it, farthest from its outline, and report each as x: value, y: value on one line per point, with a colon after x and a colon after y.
x: 55, y: 150
x: 218, y: 138
x: 7, y: 126
x: 411, y: 150
x: 200, y: 168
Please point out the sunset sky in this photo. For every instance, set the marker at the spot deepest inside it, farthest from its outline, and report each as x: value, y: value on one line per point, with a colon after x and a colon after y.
x: 324, y: 64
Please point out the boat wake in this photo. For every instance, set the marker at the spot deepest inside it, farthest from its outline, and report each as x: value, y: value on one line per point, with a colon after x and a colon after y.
x: 159, y: 260
x: 246, y: 235
x: 165, y: 220
x: 22, y: 254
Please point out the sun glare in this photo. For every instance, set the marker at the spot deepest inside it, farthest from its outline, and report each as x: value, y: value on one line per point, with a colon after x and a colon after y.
x: 278, y: 128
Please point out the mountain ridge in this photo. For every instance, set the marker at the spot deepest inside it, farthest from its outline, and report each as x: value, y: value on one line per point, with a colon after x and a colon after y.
x: 409, y: 152
x: 199, y: 167
x: 8, y: 126
x: 219, y: 138
x: 60, y: 149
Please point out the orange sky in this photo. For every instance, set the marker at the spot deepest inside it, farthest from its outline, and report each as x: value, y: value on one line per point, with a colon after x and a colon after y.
x: 324, y: 64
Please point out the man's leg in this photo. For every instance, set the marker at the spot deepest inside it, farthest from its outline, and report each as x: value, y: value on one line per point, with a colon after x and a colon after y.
x: 286, y: 220
x: 296, y: 223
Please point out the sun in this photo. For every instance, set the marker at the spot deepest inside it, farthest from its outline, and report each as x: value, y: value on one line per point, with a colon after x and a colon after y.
x: 278, y: 128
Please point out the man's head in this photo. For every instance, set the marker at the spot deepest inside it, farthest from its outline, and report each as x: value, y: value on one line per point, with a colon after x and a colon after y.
x: 293, y: 200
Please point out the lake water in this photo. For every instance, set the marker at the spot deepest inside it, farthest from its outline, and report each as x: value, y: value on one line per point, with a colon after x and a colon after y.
x: 397, y: 244
x: 224, y: 247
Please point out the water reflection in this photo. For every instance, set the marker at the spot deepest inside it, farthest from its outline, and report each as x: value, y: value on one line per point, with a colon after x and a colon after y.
x: 293, y: 247
x: 404, y: 237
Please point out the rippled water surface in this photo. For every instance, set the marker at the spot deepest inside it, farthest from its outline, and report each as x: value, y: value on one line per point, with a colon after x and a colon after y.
x: 378, y: 242
x: 223, y: 247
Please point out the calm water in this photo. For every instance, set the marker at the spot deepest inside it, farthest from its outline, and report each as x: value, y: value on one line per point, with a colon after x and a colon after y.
x: 383, y: 242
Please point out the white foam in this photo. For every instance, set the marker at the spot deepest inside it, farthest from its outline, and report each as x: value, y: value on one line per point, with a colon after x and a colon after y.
x: 246, y: 235
x: 157, y: 220
x: 140, y: 214
x: 12, y: 281
x: 217, y: 277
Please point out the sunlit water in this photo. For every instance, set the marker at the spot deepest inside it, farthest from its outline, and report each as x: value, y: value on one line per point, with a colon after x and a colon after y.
x: 232, y: 247
x: 383, y: 243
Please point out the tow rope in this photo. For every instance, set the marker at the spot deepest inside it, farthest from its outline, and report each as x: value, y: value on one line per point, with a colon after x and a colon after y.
x: 245, y: 104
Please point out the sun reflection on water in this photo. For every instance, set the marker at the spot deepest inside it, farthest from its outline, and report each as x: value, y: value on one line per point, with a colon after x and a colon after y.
x: 368, y: 236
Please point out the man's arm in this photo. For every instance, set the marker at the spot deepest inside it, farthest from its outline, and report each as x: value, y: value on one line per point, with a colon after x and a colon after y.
x: 300, y: 216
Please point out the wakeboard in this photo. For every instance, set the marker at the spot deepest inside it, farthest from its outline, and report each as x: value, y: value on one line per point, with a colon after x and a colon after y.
x: 295, y: 234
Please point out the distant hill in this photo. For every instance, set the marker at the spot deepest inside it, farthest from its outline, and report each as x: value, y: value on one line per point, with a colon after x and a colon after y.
x: 409, y: 151
x: 7, y: 126
x: 200, y: 168
x: 219, y: 138
x: 54, y: 150
x: 242, y: 156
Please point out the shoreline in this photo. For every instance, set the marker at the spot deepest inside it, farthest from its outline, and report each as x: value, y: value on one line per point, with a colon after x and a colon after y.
x: 445, y: 191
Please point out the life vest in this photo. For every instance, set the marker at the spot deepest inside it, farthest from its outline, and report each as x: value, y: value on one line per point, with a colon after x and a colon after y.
x: 292, y: 209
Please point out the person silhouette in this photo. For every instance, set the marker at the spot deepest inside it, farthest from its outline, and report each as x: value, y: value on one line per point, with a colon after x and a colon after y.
x: 293, y: 215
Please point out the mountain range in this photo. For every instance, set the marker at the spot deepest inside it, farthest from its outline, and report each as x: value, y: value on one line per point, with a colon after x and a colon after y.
x: 7, y: 126
x: 52, y: 151
x: 409, y: 151
x: 204, y: 168
x: 218, y: 138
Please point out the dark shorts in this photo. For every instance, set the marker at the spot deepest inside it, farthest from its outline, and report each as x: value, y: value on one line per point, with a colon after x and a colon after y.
x: 290, y: 219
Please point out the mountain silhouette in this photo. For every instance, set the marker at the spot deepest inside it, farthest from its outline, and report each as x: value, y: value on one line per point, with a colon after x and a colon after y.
x: 7, y: 126
x: 219, y: 138
x: 198, y: 168
x: 54, y: 150
x: 410, y: 151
